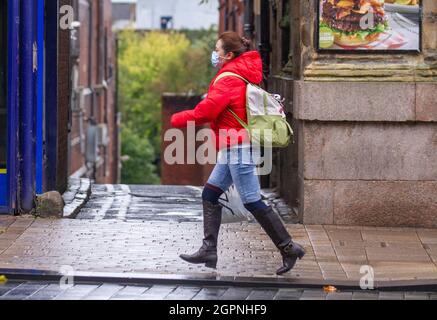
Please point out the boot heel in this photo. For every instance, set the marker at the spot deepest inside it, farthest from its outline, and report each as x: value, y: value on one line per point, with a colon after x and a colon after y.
x: 301, y: 255
x: 211, y: 264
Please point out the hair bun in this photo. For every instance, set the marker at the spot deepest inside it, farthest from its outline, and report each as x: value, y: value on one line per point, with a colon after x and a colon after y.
x: 246, y: 42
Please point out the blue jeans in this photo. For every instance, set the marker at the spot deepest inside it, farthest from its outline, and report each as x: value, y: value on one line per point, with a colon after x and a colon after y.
x: 237, y: 165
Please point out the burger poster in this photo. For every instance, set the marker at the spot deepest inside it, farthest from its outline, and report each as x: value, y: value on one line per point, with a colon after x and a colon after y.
x: 369, y: 25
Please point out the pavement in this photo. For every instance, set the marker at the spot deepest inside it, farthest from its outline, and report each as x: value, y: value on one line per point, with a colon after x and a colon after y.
x: 139, y: 231
x: 37, y: 290
x: 158, y: 203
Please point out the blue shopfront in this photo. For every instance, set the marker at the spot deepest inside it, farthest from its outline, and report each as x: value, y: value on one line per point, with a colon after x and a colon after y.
x: 26, y: 93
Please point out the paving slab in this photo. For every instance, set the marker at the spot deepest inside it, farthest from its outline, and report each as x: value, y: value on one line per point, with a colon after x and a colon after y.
x: 157, y: 224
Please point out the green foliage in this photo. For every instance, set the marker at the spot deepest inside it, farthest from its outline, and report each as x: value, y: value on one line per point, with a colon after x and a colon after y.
x: 150, y: 64
x: 139, y: 167
x: 203, y: 42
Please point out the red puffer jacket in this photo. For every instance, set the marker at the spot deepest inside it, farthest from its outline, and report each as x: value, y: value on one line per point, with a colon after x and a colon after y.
x: 228, y: 92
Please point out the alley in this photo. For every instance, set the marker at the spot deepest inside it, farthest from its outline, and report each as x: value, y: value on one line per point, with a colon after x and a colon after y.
x: 157, y: 203
x: 143, y: 203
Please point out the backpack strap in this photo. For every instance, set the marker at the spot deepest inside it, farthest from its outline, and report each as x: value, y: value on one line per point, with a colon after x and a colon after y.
x: 230, y: 74
x: 241, y: 121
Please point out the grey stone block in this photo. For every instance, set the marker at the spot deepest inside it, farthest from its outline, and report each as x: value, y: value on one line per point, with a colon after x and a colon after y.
x: 318, y: 202
x: 426, y: 105
x: 81, y: 188
x: 385, y: 203
x: 352, y: 151
x: 352, y: 101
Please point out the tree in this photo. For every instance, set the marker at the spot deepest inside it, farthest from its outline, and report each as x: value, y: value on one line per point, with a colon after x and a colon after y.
x: 150, y: 64
x: 139, y: 166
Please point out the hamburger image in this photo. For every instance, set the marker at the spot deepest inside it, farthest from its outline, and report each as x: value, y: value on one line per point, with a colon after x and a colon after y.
x: 354, y: 22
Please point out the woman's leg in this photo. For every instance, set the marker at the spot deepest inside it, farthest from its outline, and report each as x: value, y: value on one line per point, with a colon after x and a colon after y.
x: 211, y: 193
x: 219, y: 181
x: 246, y: 180
x: 244, y: 176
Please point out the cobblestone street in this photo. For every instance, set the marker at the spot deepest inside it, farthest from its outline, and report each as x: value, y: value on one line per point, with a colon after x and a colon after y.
x: 141, y: 232
x: 156, y: 203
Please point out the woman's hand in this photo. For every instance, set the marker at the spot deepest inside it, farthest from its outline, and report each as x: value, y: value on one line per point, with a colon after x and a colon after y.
x: 180, y: 119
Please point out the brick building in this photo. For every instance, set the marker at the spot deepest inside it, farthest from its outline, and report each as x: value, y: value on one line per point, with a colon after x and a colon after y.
x: 366, y: 124
x: 94, y: 138
x: 175, y: 14
x: 54, y: 84
x: 124, y: 13
x: 182, y: 174
x: 231, y: 15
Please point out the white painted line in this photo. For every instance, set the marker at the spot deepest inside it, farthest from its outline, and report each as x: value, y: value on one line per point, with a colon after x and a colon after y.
x: 100, y: 215
x: 198, y: 189
x: 125, y: 201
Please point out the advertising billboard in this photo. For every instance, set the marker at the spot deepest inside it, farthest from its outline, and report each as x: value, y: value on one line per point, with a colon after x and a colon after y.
x: 369, y: 25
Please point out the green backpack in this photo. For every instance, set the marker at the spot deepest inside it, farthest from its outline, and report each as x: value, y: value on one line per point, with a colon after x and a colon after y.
x: 267, y: 124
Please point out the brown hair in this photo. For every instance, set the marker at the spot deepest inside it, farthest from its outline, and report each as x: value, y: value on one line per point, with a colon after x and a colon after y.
x: 232, y: 42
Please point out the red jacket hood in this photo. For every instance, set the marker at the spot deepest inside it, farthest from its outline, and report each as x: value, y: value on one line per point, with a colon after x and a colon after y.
x: 248, y: 65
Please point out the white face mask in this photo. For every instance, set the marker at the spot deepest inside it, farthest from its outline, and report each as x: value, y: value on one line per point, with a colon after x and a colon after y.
x: 215, y: 59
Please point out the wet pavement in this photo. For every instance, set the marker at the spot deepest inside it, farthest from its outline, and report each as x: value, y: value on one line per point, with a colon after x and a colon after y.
x: 143, y: 203
x: 157, y: 203
x: 138, y: 230
x: 22, y: 290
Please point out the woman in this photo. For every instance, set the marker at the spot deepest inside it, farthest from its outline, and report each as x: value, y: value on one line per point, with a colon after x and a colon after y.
x: 232, y: 55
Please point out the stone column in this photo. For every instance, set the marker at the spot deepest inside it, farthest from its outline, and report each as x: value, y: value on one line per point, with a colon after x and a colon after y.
x: 367, y: 132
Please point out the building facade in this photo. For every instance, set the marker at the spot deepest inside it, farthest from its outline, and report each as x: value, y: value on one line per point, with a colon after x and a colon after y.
x: 176, y: 14
x: 34, y: 92
x: 94, y: 125
x: 124, y: 13
x: 232, y: 15
x: 48, y: 98
x: 365, y: 123
x: 194, y: 174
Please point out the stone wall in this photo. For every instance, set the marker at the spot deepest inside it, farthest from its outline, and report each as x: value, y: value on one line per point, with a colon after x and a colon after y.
x: 365, y: 124
x: 367, y: 132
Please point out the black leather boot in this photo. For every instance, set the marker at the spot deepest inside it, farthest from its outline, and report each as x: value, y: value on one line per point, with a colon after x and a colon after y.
x: 207, y: 254
x: 275, y: 229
